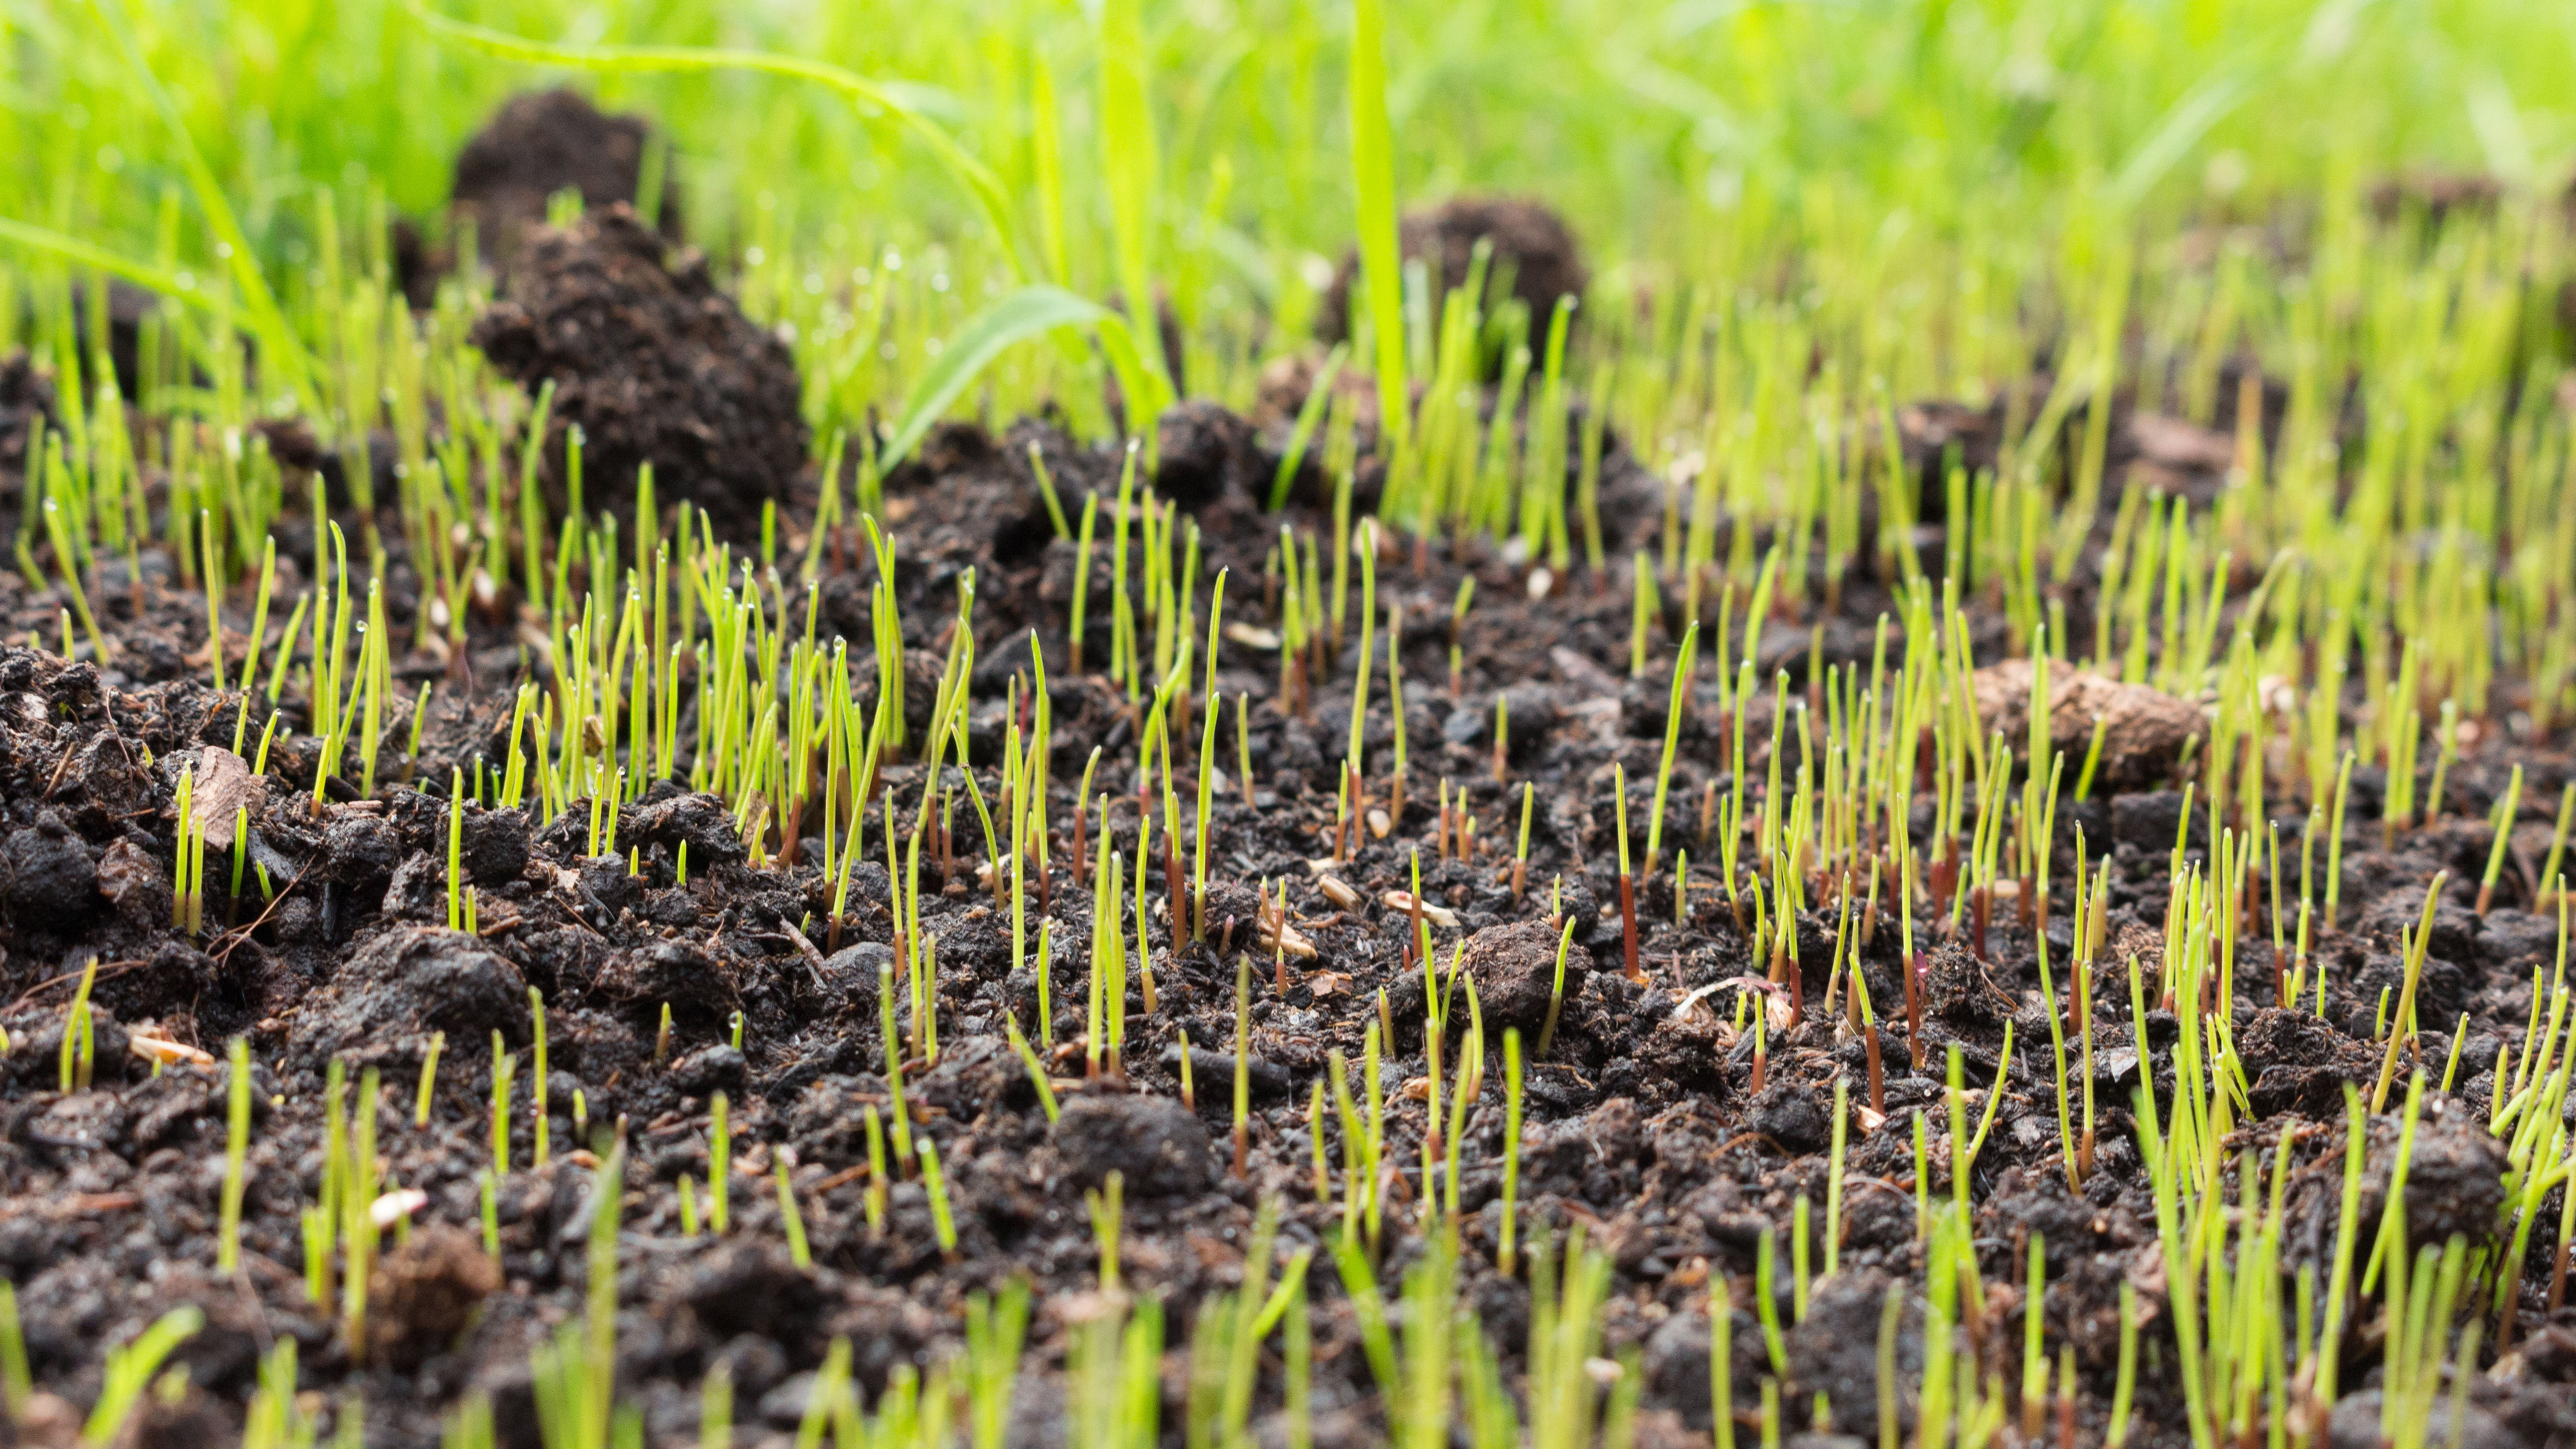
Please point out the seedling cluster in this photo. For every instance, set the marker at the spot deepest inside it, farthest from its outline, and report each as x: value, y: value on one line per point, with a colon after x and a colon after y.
x: 2262, y: 593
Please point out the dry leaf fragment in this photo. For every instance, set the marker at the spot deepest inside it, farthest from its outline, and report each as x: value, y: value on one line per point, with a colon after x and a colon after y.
x: 1402, y: 903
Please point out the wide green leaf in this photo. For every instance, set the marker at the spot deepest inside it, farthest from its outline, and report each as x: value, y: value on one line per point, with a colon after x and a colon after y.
x: 1023, y: 314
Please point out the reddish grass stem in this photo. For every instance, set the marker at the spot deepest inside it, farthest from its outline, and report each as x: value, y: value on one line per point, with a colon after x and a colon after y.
x: 1628, y: 925
x: 1914, y: 1009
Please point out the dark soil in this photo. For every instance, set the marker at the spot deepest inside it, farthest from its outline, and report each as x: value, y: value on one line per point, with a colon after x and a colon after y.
x: 541, y: 143
x: 1644, y: 1128
x: 654, y: 365
x: 1535, y: 259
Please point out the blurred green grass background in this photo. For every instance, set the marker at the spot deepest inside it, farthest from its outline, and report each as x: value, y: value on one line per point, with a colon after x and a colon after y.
x: 1691, y: 135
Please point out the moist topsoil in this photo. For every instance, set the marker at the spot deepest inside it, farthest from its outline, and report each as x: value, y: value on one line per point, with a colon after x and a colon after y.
x: 1642, y: 1126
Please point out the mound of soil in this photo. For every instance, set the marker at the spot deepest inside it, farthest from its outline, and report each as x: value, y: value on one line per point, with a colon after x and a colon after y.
x: 654, y: 364
x: 1535, y: 258
x: 543, y: 142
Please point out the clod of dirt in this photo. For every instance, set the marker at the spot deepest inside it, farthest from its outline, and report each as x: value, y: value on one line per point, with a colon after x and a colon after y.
x: 709, y: 1069
x: 51, y: 876
x: 2153, y: 820
x: 1535, y: 258
x: 1514, y: 967
x: 1153, y: 1142
x: 2550, y: 1354
x: 825, y: 1120
x: 1263, y: 1078
x: 678, y: 973
x: 1206, y: 452
x: 698, y: 821
x: 2454, y: 1177
x: 1677, y: 1364
x: 1834, y: 1349
x: 1788, y: 1114
x: 2145, y: 730
x: 2299, y: 1063
x: 654, y: 364
x: 543, y: 142
x: 426, y: 1292
x: 358, y: 847
x: 405, y: 984
x: 977, y: 1075
x: 751, y: 1287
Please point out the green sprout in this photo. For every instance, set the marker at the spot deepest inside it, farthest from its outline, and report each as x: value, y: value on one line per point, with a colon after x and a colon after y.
x: 236, y: 1154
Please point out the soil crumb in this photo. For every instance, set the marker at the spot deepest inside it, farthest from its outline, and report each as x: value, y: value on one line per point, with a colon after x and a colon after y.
x: 654, y: 364
x: 543, y: 142
x: 1153, y: 1142
x: 428, y: 1290
x: 1535, y: 258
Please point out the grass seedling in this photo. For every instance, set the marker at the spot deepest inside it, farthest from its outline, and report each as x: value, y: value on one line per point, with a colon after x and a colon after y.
x: 76, y: 1060
x: 1520, y: 853
x: 1683, y: 664
x: 1242, y: 1064
x: 1315, y: 1139
x: 1037, y: 1069
x: 1834, y: 1178
x: 941, y: 1222
x: 1721, y: 1358
x: 1627, y: 882
x: 456, y: 848
x: 1373, y: 184
x: 995, y: 1330
x: 357, y: 1198
x: 236, y: 1155
x: 16, y: 1385
x: 880, y: 1182
x: 715, y: 1406
x: 1207, y: 768
x: 1798, y: 1258
x: 540, y: 1085
x: 1556, y: 991
x: 2505, y: 810
x: 132, y: 1368
x: 1891, y: 1318
x: 1243, y: 749
x: 1766, y: 1305
x: 793, y: 1219
x: 893, y: 1043
x: 1505, y: 1259
x: 1644, y: 609
x: 504, y: 1068
x: 1104, y: 1206
x: 2334, y: 842
x: 720, y: 1162
x: 2125, y: 1384
x: 2418, y: 944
